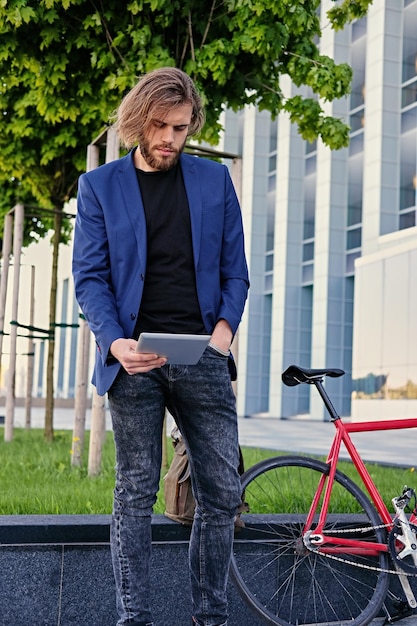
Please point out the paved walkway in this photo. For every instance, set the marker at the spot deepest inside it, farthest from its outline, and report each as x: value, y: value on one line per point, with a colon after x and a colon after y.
x: 397, y: 447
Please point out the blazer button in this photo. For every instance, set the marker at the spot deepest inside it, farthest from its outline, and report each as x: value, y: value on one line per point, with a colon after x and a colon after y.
x: 133, y: 316
x: 142, y: 277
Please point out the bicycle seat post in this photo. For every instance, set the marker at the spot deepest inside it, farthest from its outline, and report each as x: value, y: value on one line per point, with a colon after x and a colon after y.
x: 318, y: 382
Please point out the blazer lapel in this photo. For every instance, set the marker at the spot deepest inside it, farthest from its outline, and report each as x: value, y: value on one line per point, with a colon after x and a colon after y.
x: 193, y: 191
x: 134, y: 206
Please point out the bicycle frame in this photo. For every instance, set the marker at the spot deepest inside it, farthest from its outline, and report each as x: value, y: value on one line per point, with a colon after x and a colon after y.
x: 334, y: 545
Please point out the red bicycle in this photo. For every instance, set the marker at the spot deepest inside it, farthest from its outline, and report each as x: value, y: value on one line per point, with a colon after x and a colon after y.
x: 316, y: 549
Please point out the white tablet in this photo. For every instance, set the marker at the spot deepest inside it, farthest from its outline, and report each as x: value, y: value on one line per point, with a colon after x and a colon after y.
x: 178, y: 348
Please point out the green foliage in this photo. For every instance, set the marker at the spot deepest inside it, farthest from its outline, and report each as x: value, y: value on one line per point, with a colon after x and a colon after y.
x: 347, y: 11
x: 65, y: 64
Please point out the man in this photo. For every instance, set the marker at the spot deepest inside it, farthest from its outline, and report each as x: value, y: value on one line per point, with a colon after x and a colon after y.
x: 159, y: 247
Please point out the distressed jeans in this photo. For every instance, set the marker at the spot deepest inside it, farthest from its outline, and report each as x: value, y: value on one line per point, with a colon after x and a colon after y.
x: 201, y: 399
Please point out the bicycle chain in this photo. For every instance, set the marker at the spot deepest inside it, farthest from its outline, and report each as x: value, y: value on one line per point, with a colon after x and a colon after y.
x: 340, y: 531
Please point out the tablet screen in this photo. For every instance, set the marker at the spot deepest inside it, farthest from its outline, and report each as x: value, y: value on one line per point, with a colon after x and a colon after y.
x: 178, y: 348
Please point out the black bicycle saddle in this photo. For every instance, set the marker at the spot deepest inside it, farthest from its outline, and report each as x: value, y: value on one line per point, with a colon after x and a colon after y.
x: 294, y: 375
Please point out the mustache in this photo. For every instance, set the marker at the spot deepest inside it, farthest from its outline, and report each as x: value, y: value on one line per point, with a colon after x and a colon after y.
x: 166, y: 146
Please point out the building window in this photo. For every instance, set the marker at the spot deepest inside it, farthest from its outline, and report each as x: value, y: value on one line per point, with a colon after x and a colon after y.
x: 355, y: 161
x: 308, y: 250
x: 408, y: 146
x: 41, y: 367
x: 354, y: 213
x: 310, y: 183
x: 407, y: 219
x: 357, y: 120
x: 357, y: 62
x: 354, y: 238
x: 408, y: 176
x: 308, y: 274
x: 359, y: 29
x: 356, y: 143
x: 409, y: 64
x: 350, y: 262
x: 409, y: 93
x: 269, y: 272
x: 272, y: 163
x: 270, y: 207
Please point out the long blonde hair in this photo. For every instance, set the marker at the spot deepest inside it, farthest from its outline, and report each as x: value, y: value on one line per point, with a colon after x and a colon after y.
x: 160, y: 89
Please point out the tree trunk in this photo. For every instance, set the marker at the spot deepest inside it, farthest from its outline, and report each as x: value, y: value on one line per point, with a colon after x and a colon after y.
x: 97, y: 435
x: 6, y: 252
x: 80, y: 407
x: 31, y: 354
x: 49, y: 406
x: 19, y: 218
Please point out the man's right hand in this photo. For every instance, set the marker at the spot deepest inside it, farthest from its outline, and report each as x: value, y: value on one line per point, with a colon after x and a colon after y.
x: 124, y: 350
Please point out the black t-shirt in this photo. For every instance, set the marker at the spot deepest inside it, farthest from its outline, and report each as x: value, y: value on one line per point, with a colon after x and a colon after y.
x: 169, y: 302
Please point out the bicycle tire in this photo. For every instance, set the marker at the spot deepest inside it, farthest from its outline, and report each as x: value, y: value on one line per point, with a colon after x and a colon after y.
x: 282, y: 581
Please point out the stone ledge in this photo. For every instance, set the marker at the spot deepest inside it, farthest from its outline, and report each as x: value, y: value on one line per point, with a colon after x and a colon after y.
x: 56, y: 571
x: 77, y: 529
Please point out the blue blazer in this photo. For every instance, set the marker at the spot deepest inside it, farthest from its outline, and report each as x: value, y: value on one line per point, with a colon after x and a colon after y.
x: 109, y: 256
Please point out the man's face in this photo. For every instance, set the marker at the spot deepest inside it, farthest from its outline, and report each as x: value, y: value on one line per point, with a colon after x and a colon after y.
x: 164, y: 140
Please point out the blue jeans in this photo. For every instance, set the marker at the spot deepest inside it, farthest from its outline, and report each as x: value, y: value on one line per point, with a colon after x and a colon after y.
x: 201, y: 399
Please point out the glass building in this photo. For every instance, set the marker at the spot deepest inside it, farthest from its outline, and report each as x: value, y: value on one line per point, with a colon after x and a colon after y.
x: 331, y: 235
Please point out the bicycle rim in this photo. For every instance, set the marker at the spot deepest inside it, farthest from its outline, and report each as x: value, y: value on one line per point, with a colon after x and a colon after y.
x: 279, y: 578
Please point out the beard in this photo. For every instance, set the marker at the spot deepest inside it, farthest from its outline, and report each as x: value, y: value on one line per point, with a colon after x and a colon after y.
x: 162, y: 164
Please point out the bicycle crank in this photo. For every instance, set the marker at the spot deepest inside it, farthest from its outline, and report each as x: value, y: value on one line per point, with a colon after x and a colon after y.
x: 402, y: 539
x: 402, y: 542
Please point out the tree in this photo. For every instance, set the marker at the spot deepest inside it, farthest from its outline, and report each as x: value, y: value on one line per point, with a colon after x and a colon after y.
x: 65, y: 64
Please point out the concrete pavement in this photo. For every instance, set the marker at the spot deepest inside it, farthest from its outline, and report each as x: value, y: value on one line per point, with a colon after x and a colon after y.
x: 397, y: 447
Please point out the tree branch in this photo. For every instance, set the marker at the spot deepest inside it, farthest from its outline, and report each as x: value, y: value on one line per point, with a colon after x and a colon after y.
x: 190, y: 34
x: 108, y: 36
x: 184, y: 51
x: 209, y: 22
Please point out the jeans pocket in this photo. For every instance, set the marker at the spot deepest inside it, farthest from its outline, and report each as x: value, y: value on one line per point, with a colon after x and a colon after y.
x: 218, y: 351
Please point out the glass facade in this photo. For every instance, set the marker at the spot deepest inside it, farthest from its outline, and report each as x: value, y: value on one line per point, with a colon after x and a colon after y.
x: 355, y: 162
x: 310, y: 184
x: 329, y: 213
x: 408, y: 152
x: 270, y: 205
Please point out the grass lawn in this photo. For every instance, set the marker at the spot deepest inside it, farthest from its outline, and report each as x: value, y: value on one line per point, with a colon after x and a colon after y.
x: 36, y: 477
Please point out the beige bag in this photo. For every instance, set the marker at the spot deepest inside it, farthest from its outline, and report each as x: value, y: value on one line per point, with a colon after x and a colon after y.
x: 179, y: 499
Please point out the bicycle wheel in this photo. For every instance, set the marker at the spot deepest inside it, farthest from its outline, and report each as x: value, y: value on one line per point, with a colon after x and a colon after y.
x: 278, y: 576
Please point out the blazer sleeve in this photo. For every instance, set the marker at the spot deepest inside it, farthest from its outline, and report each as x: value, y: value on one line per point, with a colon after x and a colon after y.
x: 234, y: 280
x: 91, y: 269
